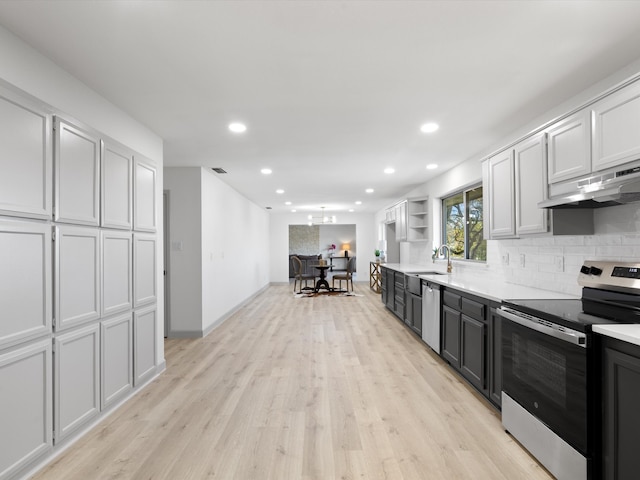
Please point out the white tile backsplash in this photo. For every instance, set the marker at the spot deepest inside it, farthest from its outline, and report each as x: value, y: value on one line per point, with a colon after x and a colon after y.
x: 617, y: 238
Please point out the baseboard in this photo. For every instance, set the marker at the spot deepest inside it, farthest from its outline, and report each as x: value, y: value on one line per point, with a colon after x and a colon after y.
x: 217, y: 322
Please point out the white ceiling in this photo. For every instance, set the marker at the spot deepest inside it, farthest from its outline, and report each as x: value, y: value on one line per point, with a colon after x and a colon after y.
x: 332, y: 92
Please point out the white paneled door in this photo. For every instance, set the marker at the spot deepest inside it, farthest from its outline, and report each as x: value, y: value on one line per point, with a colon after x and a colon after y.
x: 25, y: 281
x: 116, y: 187
x: 77, y: 175
x: 77, y: 267
x: 144, y: 348
x: 25, y: 157
x: 144, y: 269
x: 117, y: 271
x: 144, y: 196
x: 117, y: 358
x: 76, y: 380
x: 26, y: 406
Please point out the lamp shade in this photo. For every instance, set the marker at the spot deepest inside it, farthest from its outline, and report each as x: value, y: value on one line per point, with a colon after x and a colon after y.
x: 346, y: 246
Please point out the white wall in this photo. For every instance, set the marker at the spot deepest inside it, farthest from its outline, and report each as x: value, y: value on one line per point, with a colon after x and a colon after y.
x: 338, y: 235
x: 185, y: 245
x: 225, y: 250
x: 235, y: 249
x: 25, y: 68
x: 366, y: 236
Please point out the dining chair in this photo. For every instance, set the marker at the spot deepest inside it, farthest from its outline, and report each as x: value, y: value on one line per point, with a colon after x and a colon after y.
x: 300, y: 275
x: 348, y: 276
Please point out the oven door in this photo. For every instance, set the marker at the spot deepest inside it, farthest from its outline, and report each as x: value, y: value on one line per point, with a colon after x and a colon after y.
x: 544, y: 370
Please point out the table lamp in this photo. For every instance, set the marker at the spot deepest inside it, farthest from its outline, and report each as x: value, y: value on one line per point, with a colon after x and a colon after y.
x: 346, y: 247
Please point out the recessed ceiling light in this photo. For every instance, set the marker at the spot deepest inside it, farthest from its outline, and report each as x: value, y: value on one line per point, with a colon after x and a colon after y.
x: 432, y: 166
x: 280, y: 191
x: 369, y: 190
x: 237, y: 127
x: 358, y: 202
x: 389, y: 170
x: 293, y: 211
x: 266, y: 171
x: 351, y: 209
x: 287, y: 203
x: 429, y: 127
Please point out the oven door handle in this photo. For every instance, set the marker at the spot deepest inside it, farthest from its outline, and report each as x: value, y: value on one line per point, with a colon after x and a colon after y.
x: 561, y: 333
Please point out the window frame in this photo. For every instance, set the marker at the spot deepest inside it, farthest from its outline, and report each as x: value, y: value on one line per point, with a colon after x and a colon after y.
x: 465, y: 200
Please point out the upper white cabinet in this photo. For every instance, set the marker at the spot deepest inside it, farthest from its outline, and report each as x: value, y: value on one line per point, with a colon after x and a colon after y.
x: 26, y: 406
x: 144, y: 195
x: 502, y: 219
x: 77, y: 175
x: 144, y: 269
x: 25, y: 281
x: 531, y: 185
x: 76, y: 380
x: 116, y: 187
x: 569, y: 147
x: 117, y: 271
x: 616, y: 128
x: 77, y: 282
x: 25, y: 158
x: 401, y: 221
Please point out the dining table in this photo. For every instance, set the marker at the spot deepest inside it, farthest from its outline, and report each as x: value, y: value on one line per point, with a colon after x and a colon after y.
x: 322, y: 281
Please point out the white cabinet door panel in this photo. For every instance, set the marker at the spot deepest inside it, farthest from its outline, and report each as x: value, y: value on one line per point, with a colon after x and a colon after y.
x: 531, y: 186
x: 77, y: 285
x: 144, y: 196
x: 25, y: 158
x: 570, y: 147
x: 144, y: 269
x: 616, y: 128
x: 76, y: 380
x: 77, y: 175
x: 26, y: 406
x: 117, y: 272
x: 25, y: 281
x: 117, y: 358
x: 144, y: 347
x: 116, y: 187
x: 502, y: 195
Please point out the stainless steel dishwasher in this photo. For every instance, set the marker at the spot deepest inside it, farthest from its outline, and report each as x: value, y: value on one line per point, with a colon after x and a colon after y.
x: 431, y: 314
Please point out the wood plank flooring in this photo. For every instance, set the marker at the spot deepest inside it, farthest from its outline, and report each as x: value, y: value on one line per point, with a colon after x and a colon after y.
x: 317, y: 388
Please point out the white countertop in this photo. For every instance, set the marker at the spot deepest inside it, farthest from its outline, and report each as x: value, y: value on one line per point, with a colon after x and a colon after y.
x: 477, y: 284
x: 626, y: 332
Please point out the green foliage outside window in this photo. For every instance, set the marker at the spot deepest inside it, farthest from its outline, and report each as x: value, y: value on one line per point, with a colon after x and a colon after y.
x: 462, y: 215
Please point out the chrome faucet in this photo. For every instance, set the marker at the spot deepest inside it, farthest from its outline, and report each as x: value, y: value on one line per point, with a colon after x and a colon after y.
x: 447, y: 249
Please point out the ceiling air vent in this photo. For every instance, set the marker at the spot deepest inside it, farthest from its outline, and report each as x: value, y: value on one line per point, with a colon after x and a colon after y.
x: 268, y: 208
x: 219, y: 170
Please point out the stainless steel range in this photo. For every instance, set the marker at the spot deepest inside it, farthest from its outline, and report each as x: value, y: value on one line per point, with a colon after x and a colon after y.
x: 551, y: 379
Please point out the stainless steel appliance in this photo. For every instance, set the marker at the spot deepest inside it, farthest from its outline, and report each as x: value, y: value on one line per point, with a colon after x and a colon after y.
x: 601, y: 190
x: 550, y: 376
x: 431, y: 314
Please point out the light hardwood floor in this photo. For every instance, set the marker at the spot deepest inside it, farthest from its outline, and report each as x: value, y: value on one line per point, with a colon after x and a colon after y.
x: 302, y: 388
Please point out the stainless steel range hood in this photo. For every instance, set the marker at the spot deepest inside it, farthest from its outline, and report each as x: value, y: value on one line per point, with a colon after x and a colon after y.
x: 606, y: 190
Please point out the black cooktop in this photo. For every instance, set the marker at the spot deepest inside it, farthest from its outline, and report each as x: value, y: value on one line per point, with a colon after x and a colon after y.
x: 569, y: 313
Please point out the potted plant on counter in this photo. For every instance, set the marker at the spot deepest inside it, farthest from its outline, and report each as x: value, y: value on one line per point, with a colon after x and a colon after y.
x: 377, y: 254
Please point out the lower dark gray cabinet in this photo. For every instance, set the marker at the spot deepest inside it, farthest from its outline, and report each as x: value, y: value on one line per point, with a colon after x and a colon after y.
x: 451, y: 336
x: 473, y: 351
x: 413, y: 312
x: 621, y: 398
x: 471, y: 341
